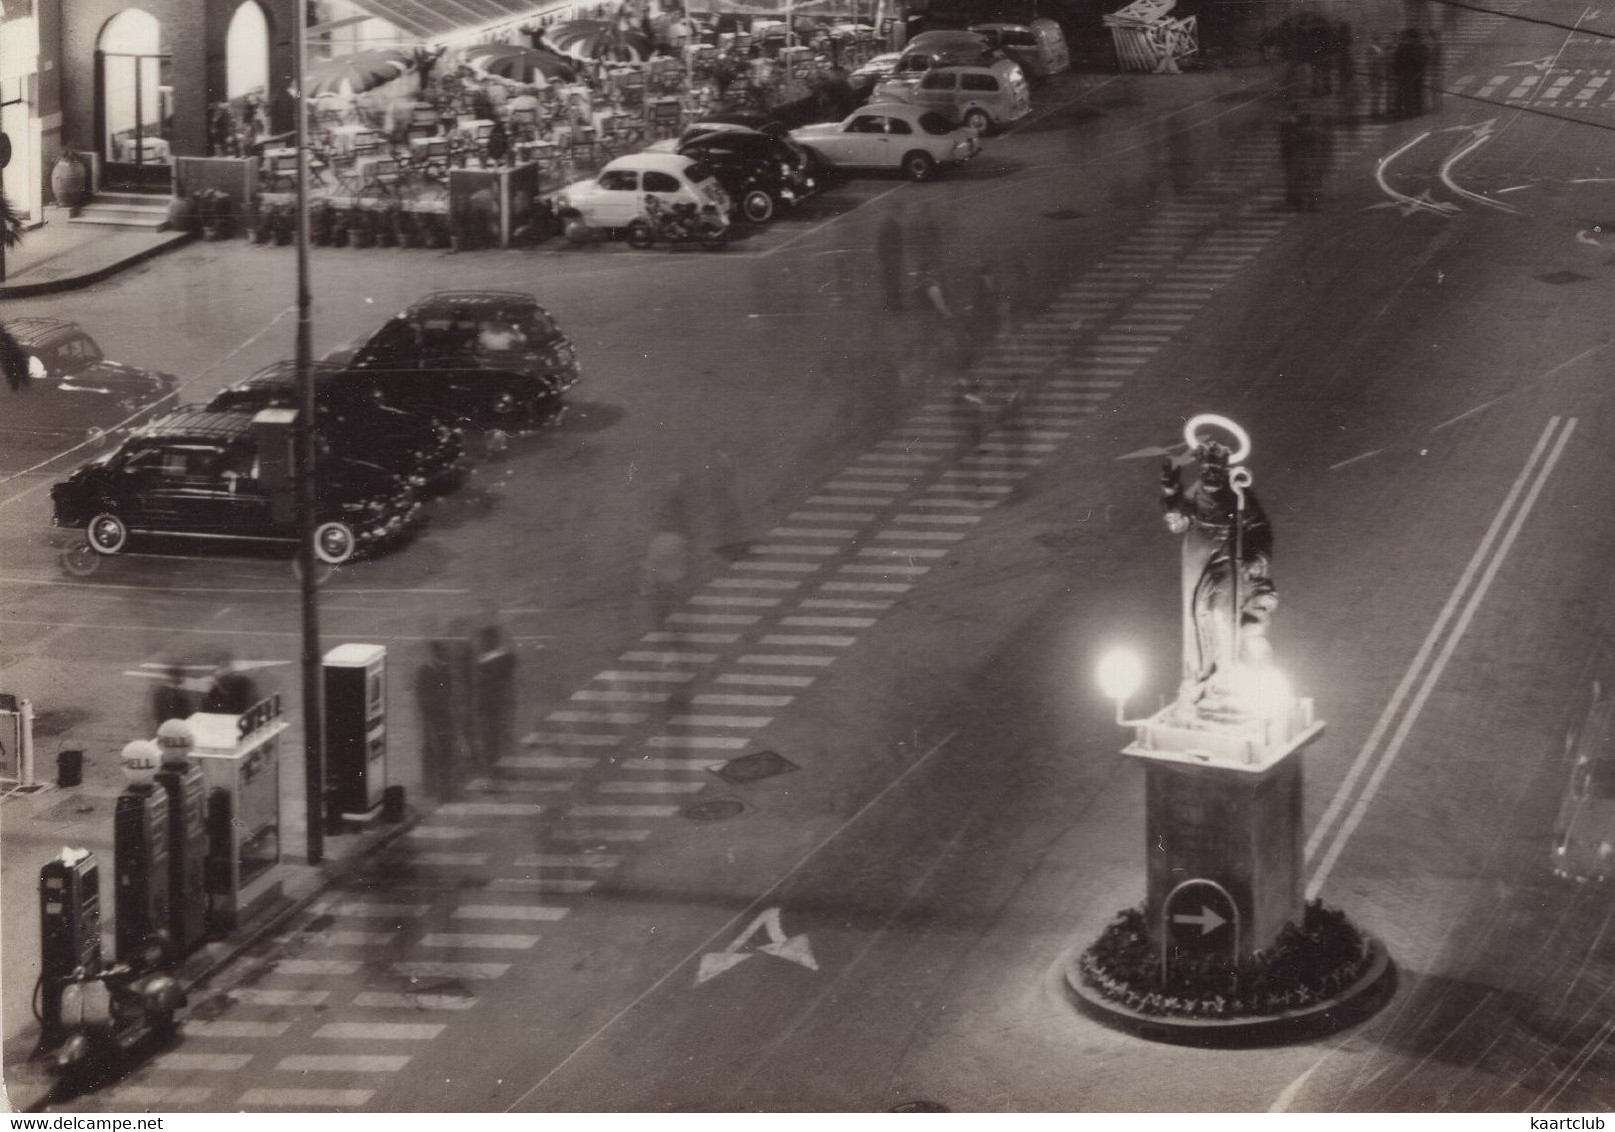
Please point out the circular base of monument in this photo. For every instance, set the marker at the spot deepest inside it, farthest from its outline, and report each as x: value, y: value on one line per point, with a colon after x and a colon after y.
x: 1187, y: 1020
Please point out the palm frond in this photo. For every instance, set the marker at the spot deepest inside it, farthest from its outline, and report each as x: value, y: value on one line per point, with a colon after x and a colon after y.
x: 10, y: 222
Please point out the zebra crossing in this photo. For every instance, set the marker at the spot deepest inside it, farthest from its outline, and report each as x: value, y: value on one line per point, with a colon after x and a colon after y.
x: 626, y: 753
x: 1586, y: 88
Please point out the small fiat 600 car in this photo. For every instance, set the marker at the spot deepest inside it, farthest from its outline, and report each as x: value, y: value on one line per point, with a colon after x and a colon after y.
x: 72, y: 387
x: 474, y: 358
x: 219, y: 478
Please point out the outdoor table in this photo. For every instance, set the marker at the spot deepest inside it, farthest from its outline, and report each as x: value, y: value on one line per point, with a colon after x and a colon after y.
x: 350, y: 137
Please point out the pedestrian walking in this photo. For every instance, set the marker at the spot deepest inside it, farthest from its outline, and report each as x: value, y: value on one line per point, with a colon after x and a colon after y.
x: 1291, y: 142
x: 666, y: 565
x: 434, y: 697
x: 889, y: 255
x: 171, y: 699
x: 1409, y: 65
x: 927, y: 241
x: 1376, y: 69
x: 493, y: 693
x: 232, y: 692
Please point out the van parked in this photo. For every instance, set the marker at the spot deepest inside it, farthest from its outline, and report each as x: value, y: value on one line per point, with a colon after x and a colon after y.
x: 981, y: 98
x: 1039, y: 47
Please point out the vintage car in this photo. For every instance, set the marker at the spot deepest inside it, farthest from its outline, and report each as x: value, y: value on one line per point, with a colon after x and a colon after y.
x: 1039, y: 47
x: 865, y: 78
x: 979, y: 98
x: 1584, y: 834
x: 891, y: 135
x: 472, y: 358
x: 220, y: 478
x: 418, y: 446
x: 616, y: 197
x: 762, y: 173
x: 72, y: 387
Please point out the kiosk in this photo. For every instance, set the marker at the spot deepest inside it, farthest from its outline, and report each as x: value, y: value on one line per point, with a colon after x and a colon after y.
x: 239, y: 756
x: 355, y: 730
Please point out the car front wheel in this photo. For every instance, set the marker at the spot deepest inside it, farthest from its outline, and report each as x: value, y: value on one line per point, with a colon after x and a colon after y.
x: 757, y: 206
x: 977, y: 122
x: 106, y: 533
x: 80, y: 560
x: 919, y: 166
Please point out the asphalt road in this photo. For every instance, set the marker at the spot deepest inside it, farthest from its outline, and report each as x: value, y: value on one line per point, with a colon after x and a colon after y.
x: 879, y: 922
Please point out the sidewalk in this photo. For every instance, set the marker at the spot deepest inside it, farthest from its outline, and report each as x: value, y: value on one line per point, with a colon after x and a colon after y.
x: 59, y: 256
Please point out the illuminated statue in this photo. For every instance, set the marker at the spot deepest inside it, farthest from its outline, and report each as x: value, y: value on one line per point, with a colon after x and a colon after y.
x: 1216, y: 652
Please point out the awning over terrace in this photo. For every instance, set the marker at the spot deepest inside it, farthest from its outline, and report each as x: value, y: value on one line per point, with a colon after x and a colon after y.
x: 437, y: 19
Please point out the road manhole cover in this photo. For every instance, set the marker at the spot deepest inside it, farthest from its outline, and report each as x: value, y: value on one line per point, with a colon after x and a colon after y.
x: 751, y: 768
x: 1064, y: 214
x: 1560, y: 278
x: 922, y: 1106
x: 719, y: 809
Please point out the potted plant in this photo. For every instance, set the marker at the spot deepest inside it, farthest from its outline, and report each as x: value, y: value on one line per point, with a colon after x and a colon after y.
x: 362, y: 224
x: 283, y: 222
x: 182, y: 213
x: 341, y: 218
x: 321, y: 220
x: 389, y: 225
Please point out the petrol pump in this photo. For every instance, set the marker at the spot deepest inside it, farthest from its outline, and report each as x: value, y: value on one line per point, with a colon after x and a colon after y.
x: 355, y: 730
x: 239, y: 757
x: 140, y: 852
x: 69, y: 933
x: 186, y: 788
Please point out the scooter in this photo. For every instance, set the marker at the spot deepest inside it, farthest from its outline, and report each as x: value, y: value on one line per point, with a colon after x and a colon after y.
x: 111, y: 1014
x: 680, y: 223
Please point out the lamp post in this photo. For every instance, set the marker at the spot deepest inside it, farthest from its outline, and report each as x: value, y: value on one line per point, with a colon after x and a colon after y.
x: 308, y: 563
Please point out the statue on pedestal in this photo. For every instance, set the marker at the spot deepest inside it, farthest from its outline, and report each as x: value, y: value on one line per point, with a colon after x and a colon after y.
x: 1228, y: 596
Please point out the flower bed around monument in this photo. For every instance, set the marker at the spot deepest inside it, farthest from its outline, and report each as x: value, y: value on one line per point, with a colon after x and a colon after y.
x: 1309, y: 965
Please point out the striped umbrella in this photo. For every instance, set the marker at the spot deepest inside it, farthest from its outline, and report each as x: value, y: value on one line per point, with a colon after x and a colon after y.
x: 355, y: 74
x: 599, y: 39
x: 521, y: 64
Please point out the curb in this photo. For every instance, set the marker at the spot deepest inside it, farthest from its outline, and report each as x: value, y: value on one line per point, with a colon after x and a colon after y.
x: 96, y: 275
x: 1371, y: 991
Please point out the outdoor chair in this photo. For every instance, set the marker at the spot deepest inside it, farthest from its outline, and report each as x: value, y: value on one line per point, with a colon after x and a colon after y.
x: 382, y: 175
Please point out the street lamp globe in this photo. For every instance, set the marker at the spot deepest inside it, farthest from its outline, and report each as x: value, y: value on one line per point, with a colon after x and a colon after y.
x: 1120, y: 674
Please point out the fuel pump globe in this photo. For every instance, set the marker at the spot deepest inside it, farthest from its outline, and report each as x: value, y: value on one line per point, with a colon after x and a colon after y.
x: 140, y: 760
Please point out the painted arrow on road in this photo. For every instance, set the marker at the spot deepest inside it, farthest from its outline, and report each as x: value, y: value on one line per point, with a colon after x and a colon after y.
x: 793, y: 949
x: 1207, y: 918
x: 1543, y: 64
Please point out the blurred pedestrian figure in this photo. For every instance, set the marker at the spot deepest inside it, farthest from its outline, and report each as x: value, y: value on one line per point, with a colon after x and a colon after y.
x: 1345, y: 65
x: 985, y: 313
x: 889, y: 253
x: 232, y: 692
x: 666, y: 565
x: 1318, y: 43
x: 434, y: 698
x: 1291, y: 141
x: 493, y: 693
x: 1408, y: 69
x: 1316, y: 148
x: 171, y: 699
x: 1376, y: 70
x: 927, y: 241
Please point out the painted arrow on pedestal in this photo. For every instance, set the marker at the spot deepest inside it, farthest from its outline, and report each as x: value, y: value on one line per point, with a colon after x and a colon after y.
x: 793, y: 949
x: 1207, y: 918
x: 1147, y: 453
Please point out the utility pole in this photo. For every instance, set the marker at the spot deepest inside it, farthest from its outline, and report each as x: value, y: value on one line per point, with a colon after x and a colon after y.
x: 308, y: 561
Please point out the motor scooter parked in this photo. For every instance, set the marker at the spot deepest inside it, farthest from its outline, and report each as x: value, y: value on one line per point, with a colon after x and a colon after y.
x: 680, y: 223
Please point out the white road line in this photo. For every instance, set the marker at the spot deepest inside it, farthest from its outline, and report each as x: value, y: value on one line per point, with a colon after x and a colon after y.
x: 812, y: 532
x: 170, y: 1097
x: 546, y: 762
x: 429, y: 969
x: 791, y: 551
x: 489, y: 809
x: 343, y: 1063
x: 645, y: 656
x: 463, y: 859
x: 316, y: 966
x: 777, y: 567
x: 900, y: 553
x: 810, y: 641
x: 570, y: 739
x: 485, y: 941
x: 737, y: 601
x: 622, y: 718
x: 568, y: 861
x: 717, y: 699
x: 305, y: 1098
x: 620, y: 697
x: 951, y: 519
x: 916, y: 536
x: 753, y: 583
x: 842, y: 603
x: 567, y: 886
x: 885, y: 569
x: 202, y: 1062
x: 362, y: 909
x: 677, y: 764
x: 630, y: 787
x: 699, y: 742
x: 755, y: 680
x: 685, y: 637
x: 845, y: 501
x: 220, y: 1028
x: 722, y: 720
x: 411, y: 1000
x: 1537, y: 477
x: 332, y: 937
x: 837, y: 622
x: 440, y: 833
x: 623, y: 811
x: 257, y: 996
x: 620, y: 676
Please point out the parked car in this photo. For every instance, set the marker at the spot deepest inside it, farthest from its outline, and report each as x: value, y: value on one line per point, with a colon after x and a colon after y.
x: 943, y: 48
x: 891, y: 135
x: 223, y: 477
x: 864, y: 79
x: 980, y: 98
x: 761, y: 173
x: 1039, y: 47
x: 72, y: 386
x: 615, y: 197
x: 424, y: 449
x: 472, y: 358
x: 1584, y: 834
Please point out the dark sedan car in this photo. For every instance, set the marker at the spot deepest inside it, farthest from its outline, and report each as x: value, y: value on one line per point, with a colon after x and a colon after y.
x: 418, y: 446
x: 761, y: 172
x: 72, y: 387
x: 480, y: 358
x: 224, y: 478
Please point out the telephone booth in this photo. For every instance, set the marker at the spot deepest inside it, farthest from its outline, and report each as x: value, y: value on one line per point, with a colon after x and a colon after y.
x: 239, y: 756
x: 355, y: 729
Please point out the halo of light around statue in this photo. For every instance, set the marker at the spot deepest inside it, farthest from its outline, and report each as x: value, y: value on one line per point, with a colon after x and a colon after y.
x: 1120, y: 673
x: 1191, y: 434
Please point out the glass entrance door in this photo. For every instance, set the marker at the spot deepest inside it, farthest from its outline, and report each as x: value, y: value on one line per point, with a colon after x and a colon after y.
x: 136, y: 115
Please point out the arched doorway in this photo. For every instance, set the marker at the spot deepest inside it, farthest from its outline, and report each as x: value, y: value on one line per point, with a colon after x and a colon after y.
x: 246, y: 54
x: 137, y: 96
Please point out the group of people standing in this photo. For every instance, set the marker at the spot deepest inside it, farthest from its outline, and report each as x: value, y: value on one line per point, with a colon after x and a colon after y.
x: 1393, y: 78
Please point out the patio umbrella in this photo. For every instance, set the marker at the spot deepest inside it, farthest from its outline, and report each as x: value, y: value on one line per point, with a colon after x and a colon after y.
x: 599, y: 39
x: 520, y: 64
x: 355, y: 74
